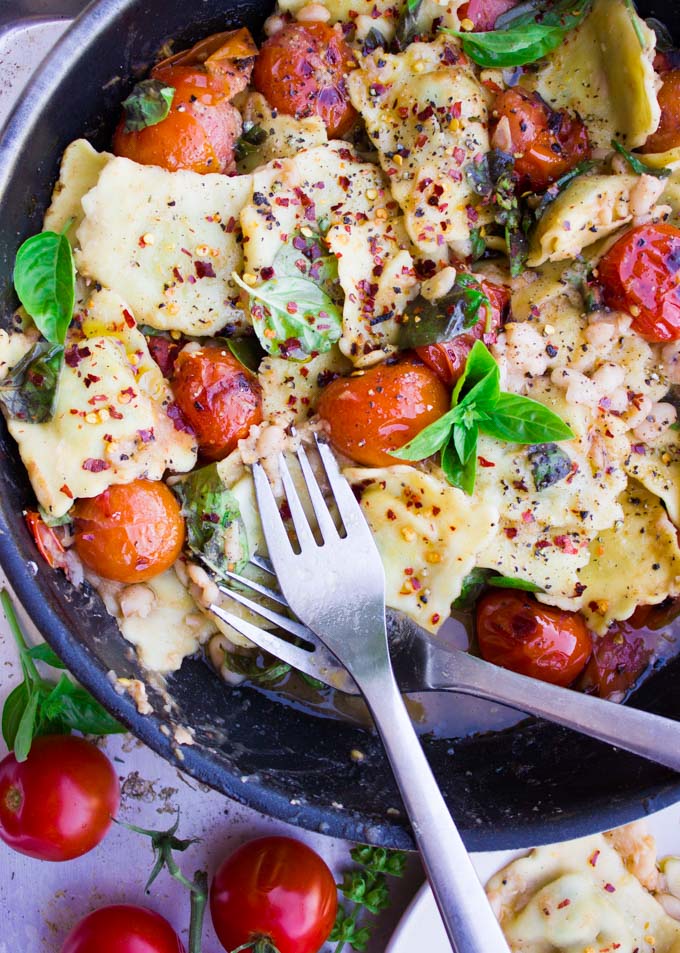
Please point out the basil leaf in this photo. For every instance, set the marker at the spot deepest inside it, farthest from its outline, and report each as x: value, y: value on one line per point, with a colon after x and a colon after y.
x: 44, y: 279
x: 549, y: 465
x: 509, y: 582
x: 465, y: 441
x: 429, y: 440
x: 473, y: 585
x: 579, y: 275
x: 517, y: 419
x: 493, y: 179
x: 542, y: 11
x: 148, y: 104
x: 26, y: 727
x: 252, y: 667
x: 68, y: 707
x: 459, y: 474
x: 293, y: 317
x: 477, y: 243
x: 12, y: 712
x: 429, y: 322
x: 374, y: 40
x: 407, y: 24
x: 479, y: 364
x: 308, y: 255
x: 43, y: 653
x: 560, y: 185
x: 247, y: 351
x: 29, y: 391
x: 215, y: 529
x: 637, y: 165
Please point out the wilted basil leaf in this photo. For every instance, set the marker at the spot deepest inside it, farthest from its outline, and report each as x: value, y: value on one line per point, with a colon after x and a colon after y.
x: 549, y: 464
x: 637, y: 164
x: 246, y: 350
x: 493, y: 179
x: 477, y: 243
x: 429, y: 322
x: 407, y: 24
x: 29, y: 391
x: 44, y: 279
x: 148, y: 104
x: 250, y: 139
x: 472, y: 587
x: 215, y: 530
x: 509, y: 582
x: 579, y: 275
x: 374, y: 40
x: 560, y: 185
x: 664, y: 39
x: 255, y: 669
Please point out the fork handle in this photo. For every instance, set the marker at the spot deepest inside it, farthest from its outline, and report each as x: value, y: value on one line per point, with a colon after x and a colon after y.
x: 643, y: 733
x: 469, y: 921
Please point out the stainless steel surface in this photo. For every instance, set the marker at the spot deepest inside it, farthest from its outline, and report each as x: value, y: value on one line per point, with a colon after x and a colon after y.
x: 338, y: 589
x: 420, y: 665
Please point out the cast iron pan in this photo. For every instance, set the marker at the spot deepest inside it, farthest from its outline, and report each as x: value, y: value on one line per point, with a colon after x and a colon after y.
x: 529, y: 784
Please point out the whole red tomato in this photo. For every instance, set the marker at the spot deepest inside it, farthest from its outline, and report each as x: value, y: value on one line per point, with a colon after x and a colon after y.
x: 667, y: 135
x: 58, y: 803
x: 131, y: 532
x: 381, y: 410
x: 545, y: 143
x: 640, y: 274
x: 516, y: 632
x: 447, y: 359
x: 301, y: 72
x: 218, y: 397
x: 274, y: 888
x: 122, y: 928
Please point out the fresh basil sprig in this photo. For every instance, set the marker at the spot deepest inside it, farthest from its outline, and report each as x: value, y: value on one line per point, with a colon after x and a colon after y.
x: 44, y: 279
x: 148, y: 104
x: 29, y: 391
x: 215, y: 530
x: 528, y: 38
x: 637, y: 164
x: 429, y: 322
x: 479, y: 405
x: 40, y: 707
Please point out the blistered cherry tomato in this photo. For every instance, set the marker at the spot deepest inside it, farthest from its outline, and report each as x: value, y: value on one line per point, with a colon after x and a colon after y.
x: 131, y: 532
x: 219, y: 398
x: 58, y: 803
x: 381, y: 410
x: 667, y: 135
x: 640, y: 275
x: 122, y: 928
x: 200, y: 131
x: 274, y: 888
x: 484, y: 13
x: 448, y: 358
x: 301, y: 71
x: 516, y: 632
x: 545, y: 143
x: 47, y: 541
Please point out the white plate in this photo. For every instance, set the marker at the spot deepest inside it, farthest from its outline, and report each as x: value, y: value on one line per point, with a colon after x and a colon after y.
x: 421, y: 928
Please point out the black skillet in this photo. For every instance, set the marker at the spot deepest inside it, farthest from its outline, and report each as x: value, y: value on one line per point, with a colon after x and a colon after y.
x: 528, y: 784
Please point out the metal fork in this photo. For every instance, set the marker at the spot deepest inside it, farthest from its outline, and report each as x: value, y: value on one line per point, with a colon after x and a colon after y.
x: 338, y: 590
x: 421, y: 665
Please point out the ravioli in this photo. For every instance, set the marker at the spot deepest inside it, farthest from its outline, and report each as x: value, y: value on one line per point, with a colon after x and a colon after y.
x: 657, y: 468
x: 81, y: 166
x: 378, y: 277
x: 428, y: 534
x: 290, y: 389
x: 111, y: 422
x: 426, y: 114
x: 285, y: 136
x: 168, y: 243
x: 578, y: 897
x: 604, y: 72
x: 383, y: 14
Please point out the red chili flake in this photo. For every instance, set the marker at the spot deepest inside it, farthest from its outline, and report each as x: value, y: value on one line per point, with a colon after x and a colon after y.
x: 436, y: 510
x: 95, y: 465
x: 459, y: 155
x: 457, y: 110
x: 574, y: 471
x: 472, y: 214
x: 425, y: 114
x: 417, y: 584
x: 185, y: 251
x: 565, y: 903
x: 579, y: 589
x: 421, y: 140
x: 66, y: 491
x: 178, y: 421
x: 178, y: 275
x: 91, y: 379
x: 435, y: 618
x: 639, y: 448
x: 292, y: 307
x: 510, y: 532
x: 204, y: 269
x: 528, y: 517
x: 391, y: 515
x: 74, y: 355
x: 129, y: 320
x: 114, y: 412
x: 610, y: 888
x: 146, y: 436
x: 408, y: 571
x: 483, y: 462
x: 594, y: 857
x: 107, y: 438
x: 266, y: 273
x: 542, y: 544
x: 566, y: 544
x: 230, y: 226
x: 97, y: 399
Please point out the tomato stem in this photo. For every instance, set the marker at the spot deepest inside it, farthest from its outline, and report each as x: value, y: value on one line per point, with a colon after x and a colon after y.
x: 30, y: 671
x: 199, y: 899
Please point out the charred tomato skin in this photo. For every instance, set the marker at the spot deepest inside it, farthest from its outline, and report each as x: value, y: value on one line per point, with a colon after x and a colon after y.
x: 639, y: 275
x: 667, y: 134
x: 129, y: 533
x: 58, y: 803
x: 381, y: 410
x: 517, y: 632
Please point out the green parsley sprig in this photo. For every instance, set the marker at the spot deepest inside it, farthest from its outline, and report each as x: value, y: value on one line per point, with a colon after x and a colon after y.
x: 479, y: 405
x: 367, y: 890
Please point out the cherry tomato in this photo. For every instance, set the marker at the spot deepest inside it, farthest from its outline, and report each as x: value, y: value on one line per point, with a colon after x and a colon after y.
x: 274, y: 888
x: 200, y: 131
x: 47, y: 541
x: 130, y: 532
x: 381, y: 410
x: 58, y: 803
x: 122, y: 928
x: 640, y: 275
x: 301, y: 71
x: 667, y: 135
x: 484, y: 13
x: 545, y: 143
x: 448, y: 358
x: 516, y: 632
x: 219, y: 398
